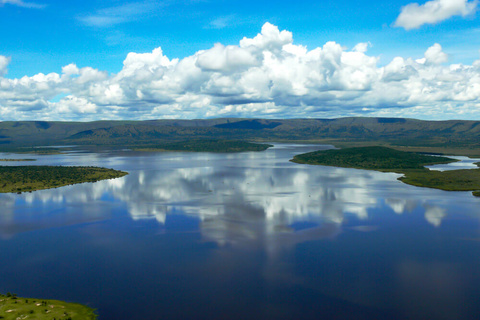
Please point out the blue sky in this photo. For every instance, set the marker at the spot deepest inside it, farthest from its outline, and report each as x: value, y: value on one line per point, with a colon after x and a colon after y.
x: 101, y: 33
x: 41, y: 36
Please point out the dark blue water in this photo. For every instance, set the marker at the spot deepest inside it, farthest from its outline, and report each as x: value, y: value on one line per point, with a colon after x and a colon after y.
x: 243, y: 236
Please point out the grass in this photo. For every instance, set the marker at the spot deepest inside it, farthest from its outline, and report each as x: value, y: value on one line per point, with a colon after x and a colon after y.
x: 33, y: 150
x: 452, y: 180
x: 14, y: 308
x: 207, y: 145
x: 411, y: 165
x: 17, y: 179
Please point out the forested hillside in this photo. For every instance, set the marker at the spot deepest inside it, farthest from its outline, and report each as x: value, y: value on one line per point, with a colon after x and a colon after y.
x: 391, y: 131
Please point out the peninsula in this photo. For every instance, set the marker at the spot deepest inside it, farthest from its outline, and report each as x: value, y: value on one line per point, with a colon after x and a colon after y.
x: 411, y: 165
x: 15, y: 179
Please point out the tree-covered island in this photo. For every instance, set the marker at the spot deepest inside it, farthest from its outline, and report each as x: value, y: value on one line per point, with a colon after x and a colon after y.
x: 13, y: 308
x: 44, y: 151
x: 207, y: 145
x: 411, y: 165
x: 15, y: 179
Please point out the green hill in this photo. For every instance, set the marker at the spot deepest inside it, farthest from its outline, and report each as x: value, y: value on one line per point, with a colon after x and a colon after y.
x: 454, y: 136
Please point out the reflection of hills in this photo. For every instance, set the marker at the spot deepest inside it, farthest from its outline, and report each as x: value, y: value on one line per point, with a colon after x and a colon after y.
x: 254, y: 197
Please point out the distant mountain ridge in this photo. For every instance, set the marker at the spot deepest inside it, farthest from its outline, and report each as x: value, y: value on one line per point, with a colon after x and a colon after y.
x: 400, y: 131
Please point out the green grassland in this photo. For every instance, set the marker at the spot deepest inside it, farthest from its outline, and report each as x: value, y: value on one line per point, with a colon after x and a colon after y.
x: 32, y: 178
x: 411, y: 165
x: 207, y: 145
x: 452, y: 180
x: 14, y: 308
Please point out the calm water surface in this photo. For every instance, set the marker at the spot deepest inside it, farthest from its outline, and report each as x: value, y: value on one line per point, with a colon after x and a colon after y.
x: 243, y: 236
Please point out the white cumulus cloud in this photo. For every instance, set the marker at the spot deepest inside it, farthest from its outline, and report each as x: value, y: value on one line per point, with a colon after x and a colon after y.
x: 414, y: 15
x: 264, y: 76
x: 435, y: 55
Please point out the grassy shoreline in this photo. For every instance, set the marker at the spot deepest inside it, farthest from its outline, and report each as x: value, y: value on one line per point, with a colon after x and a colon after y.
x: 13, y: 307
x: 18, y: 179
x: 206, y: 145
x: 411, y: 165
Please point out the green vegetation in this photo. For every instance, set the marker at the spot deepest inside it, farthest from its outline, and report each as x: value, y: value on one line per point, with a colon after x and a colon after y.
x: 427, y: 136
x: 33, y: 150
x: 452, y: 180
x: 14, y: 308
x: 371, y: 158
x: 426, y: 148
x: 457, y: 137
x: 15, y: 160
x: 208, y: 146
x: 30, y: 178
x: 42, y: 151
x: 390, y: 160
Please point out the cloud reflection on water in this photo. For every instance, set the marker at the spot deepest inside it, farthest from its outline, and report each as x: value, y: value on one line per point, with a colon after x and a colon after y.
x: 236, y: 197
x: 256, y: 214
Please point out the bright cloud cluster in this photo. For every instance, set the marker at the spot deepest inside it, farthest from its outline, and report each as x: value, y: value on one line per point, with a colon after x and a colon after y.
x: 414, y: 15
x: 264, y: 76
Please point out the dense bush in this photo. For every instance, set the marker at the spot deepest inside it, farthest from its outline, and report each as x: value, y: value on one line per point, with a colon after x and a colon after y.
x: 31, y: 178
x: 375, y: 158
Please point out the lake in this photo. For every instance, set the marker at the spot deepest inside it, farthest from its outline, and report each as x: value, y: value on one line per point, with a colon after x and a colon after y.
x: 242, y: 236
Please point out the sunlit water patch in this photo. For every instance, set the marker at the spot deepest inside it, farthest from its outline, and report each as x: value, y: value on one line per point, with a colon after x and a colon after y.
x: 462, y: 163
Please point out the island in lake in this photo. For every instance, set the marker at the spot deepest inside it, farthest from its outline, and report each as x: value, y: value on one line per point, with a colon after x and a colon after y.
x: 208, y: 145
x: 13, y: 307
x: 411, y: 165
x: 15, y: 179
